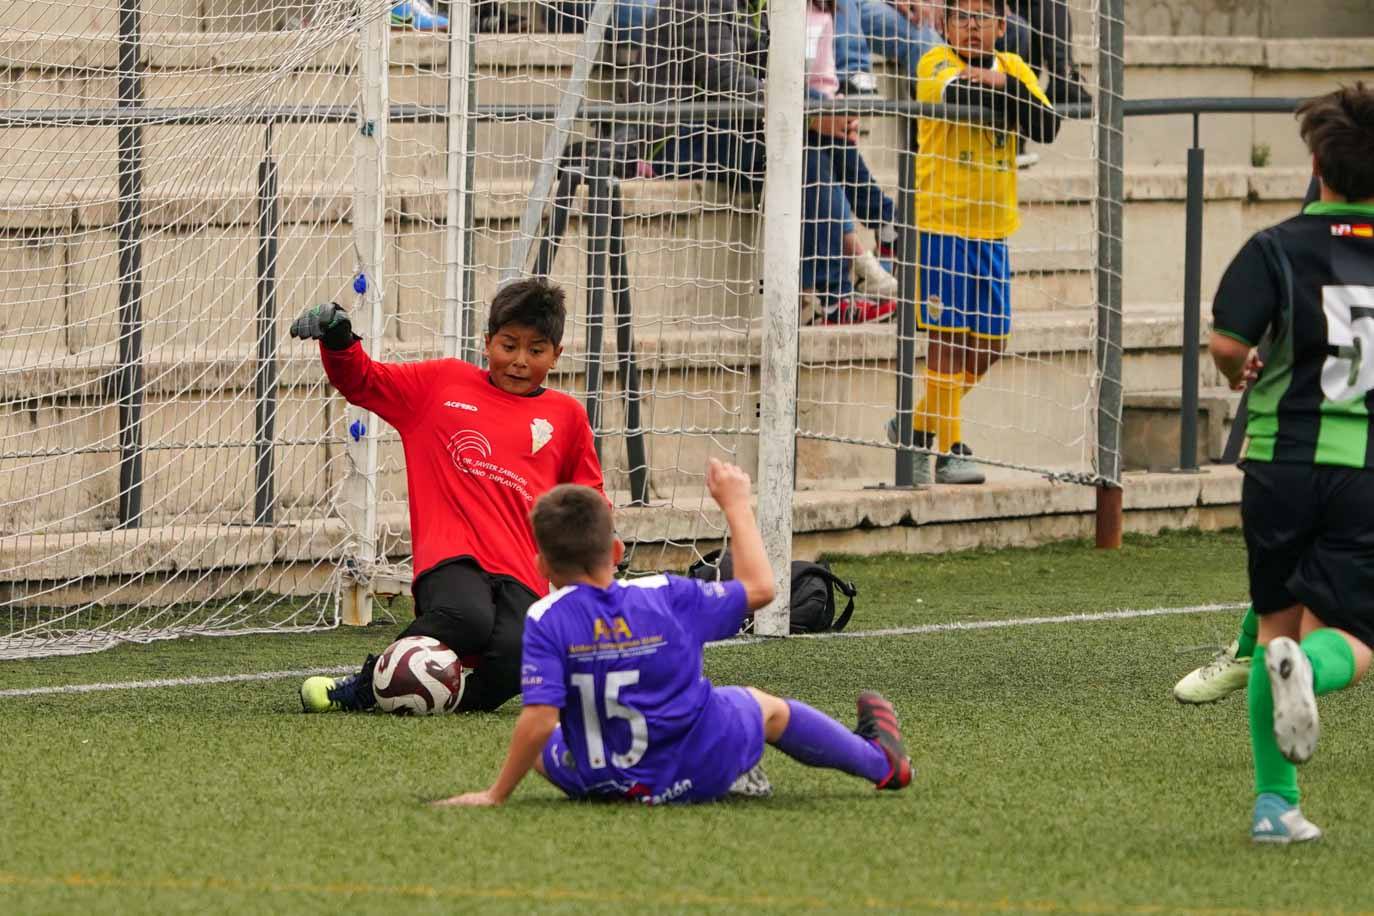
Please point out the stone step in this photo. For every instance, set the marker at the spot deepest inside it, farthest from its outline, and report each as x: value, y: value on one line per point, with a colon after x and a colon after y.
x: 1151, y: 426
x: 701, y: 396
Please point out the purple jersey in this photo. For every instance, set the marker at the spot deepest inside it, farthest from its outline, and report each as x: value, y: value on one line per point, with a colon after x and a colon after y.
x: 624, y: 664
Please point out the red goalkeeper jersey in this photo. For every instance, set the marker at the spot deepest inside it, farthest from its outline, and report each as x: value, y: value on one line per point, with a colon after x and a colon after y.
x: 477, y: 457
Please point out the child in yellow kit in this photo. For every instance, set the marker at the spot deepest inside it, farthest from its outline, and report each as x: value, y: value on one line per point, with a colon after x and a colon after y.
x: 966, y: 209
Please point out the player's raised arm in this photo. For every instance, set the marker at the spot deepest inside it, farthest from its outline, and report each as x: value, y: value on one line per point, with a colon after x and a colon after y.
x: 729, y: 487
x: 390, y: 390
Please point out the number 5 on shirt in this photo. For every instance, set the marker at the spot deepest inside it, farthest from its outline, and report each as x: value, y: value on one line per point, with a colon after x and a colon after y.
x: 639, y: 728
x: 1349, y: 372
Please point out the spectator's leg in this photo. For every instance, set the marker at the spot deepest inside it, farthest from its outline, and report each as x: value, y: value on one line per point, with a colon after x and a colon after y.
x: 852, y: 59
x: 872, y: 207
x: 894, y: 36
x: 630, y: 16
x: 824, y: 208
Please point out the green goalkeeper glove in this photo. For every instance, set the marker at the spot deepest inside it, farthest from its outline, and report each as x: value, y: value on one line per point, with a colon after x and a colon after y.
x: 326, y: 323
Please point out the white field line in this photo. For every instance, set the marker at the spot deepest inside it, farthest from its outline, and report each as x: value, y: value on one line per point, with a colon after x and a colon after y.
x: 951, y: 627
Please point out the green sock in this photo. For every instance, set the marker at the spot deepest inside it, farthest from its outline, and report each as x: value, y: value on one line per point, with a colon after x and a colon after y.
x: 1333, y: 661
x: 1273, y: 772
x: 1249, y: 633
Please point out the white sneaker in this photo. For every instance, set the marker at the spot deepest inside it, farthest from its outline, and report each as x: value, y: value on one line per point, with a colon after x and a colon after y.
x: 752, y: 783
x: 1216, y: 680
x: 1296, y: 728
x: 871, y: 280
x: 1026, y: 160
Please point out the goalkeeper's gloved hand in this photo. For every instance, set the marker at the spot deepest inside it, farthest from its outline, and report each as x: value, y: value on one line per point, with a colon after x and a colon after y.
x: 326, y: 323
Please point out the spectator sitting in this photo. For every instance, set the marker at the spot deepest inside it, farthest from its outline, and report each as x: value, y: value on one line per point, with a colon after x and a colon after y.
x: 840, y: 135
x: 708, y: 50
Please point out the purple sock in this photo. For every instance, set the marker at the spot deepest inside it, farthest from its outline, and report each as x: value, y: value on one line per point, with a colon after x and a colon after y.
x: 815, y: 739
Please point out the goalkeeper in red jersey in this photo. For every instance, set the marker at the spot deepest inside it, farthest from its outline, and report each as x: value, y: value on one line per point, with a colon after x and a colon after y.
x: 480, y: 447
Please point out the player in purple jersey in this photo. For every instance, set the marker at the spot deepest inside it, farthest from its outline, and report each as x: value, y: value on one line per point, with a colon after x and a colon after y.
x: 615, y: 702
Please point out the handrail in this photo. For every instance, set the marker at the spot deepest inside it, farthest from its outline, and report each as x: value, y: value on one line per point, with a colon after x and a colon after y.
x: 597, y: 111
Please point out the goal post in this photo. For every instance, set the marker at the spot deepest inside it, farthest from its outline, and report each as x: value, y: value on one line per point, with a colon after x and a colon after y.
x: 171, y: 462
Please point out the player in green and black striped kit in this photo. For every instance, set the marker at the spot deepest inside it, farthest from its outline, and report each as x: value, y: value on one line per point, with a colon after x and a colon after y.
x: 1306, y: 286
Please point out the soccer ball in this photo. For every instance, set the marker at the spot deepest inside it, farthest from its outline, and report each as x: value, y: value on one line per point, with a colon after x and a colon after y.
x: 417, y: 676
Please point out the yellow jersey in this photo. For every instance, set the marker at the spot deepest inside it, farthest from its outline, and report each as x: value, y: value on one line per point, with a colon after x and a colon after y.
x: 966, y: 174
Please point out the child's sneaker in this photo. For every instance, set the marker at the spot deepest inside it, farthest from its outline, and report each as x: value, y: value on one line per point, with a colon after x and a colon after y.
x: 1276, y: 821
x: 352, y: 693
x: 878, y: 723
x: 957, y: 468
x: 1216, y: 680
x: 871, y: 280
x: 920, y: 462
x: 752, y: 784
x: 887, y: 247
x: 1296, y: 728
x: 856, y: 310
x: 418, y: 15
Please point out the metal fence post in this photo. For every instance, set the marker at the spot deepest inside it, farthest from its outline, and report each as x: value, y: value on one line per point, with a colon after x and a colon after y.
x: 1110, y: 136
x: 457, y: 323
x: 784, y: 137
x: 369, y: 232
x: 265, y: 372
x: 1192, y: 306
x: 129, y: 380
x: 908, y: 282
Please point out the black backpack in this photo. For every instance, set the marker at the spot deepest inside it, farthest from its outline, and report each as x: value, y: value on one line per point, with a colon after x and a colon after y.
x: 813, y: 591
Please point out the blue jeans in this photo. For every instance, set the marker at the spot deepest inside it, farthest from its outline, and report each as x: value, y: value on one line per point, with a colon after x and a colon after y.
x: 627, y: 21
x: 864, y: 198
x: 865, y: 26
x: 713, y: 153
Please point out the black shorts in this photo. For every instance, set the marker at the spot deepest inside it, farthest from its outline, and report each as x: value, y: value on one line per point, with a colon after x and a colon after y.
x: 475, y: 614
x: 1309, y: 534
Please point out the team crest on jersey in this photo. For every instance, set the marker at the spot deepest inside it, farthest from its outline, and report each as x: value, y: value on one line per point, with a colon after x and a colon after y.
x: 541, y: 433
x: 1356, y: 230
x: 934, y: 307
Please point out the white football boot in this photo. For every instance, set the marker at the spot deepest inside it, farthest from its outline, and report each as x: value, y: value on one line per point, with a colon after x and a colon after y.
x: 1216, y: 680
x: 1296, y: 728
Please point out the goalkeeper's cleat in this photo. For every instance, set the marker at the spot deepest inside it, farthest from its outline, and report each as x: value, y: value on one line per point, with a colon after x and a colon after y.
x: 1216, y: 680
x: 752, y: 784
x: 1296, y: 728
x: 920, y: 462
x: 957, y: 468
x: 1276, y: 821
x: 878, y: 723
x: 351, y: 693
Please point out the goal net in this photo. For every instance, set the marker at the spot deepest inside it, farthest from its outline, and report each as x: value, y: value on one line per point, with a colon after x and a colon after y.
x: 182, y: 177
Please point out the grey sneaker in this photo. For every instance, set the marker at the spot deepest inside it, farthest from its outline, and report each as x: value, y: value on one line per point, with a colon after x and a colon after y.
x: 920, y: 462
x: 956, y: 466
x: 752, y: 784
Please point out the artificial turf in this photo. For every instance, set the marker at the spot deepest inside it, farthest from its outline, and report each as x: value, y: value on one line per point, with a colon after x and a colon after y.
x: 1055, y: 773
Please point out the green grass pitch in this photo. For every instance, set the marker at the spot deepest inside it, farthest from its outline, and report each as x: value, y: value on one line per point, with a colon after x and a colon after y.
x: 1055, y: 774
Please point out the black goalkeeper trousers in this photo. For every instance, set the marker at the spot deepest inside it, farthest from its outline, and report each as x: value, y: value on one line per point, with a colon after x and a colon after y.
x: 475, y: 614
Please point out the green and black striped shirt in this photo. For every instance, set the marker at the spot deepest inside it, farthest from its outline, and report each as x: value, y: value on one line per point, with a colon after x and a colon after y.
x: 1306, y: 288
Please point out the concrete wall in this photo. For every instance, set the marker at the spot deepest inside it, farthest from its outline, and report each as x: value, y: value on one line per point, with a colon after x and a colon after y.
x: 1260, y: 18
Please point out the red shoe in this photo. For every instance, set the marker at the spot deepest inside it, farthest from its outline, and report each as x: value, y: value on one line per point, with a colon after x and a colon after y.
x: 860, y: 311
x: 878, y: 723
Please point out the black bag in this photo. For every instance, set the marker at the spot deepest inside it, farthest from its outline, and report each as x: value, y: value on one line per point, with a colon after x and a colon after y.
x: 813, y: 591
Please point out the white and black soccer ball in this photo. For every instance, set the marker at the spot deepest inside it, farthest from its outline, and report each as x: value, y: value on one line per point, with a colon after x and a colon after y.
x: 417, y: 676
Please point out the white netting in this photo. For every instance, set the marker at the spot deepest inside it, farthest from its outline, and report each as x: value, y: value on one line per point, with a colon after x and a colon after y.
x: 632, y: 126
x: 136, y: 453
x: 1035, y: 410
